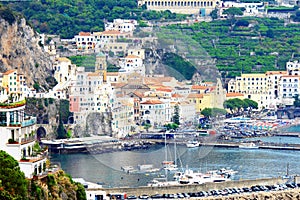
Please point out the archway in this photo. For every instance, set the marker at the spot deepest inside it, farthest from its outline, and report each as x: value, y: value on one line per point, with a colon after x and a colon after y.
x: 41, y: 133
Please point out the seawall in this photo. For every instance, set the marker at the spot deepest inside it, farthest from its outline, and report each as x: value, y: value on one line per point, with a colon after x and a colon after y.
x: 191, y: 187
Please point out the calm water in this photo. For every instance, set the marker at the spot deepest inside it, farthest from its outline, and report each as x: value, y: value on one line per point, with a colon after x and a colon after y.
x: 250, y: 164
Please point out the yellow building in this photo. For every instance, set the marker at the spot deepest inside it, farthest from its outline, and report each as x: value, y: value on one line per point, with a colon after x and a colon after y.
x: 201, y: 101
x: 252, y: 86
x: 10, y: 81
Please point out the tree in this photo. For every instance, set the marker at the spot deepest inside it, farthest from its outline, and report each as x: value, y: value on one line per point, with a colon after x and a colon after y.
x: 251, y: 104
x: 13, y: 184
x: 297, y: 101
x: 231, y: 13
x: 214, y: 14
x: 213, y: 112
x: 176, y: 117
x: 61, y: 132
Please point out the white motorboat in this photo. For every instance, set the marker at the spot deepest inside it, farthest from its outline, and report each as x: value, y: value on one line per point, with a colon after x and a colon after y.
x: 192, y: 144
x: 248, y: 145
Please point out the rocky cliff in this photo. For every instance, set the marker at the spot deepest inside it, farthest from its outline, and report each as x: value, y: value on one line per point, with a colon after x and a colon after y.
x: 20, y: 49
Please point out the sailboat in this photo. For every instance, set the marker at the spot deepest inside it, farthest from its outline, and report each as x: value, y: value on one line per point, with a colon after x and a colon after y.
x: 167, y: 164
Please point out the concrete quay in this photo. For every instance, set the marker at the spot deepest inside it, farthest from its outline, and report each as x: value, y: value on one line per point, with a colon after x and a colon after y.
x: 189, y: 188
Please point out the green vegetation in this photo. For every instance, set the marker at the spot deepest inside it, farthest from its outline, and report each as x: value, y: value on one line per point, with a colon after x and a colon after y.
x: 251, y: 45
x: 13, y: 184
x: 236, y: 105
x: 7, y: 14
x: 68, y: 18
x: 213, y: 112
x: 176, y: 117
x: 171, y: 126
x: 175, y: 61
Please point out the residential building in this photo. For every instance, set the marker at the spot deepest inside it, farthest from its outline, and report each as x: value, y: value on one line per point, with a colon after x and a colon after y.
x: 132, y: 63
x: 136, y: 52
x: 85, y: 40
x: 289, y: 86
x: 249, y: 8
x: 18, y: 135
x: 123, y: 117
x: 10, y: 81
x: 153, y: 112
x: 198, y: 7
x: 122, y: 25
x: 293, y: 67
x: 253, y: 86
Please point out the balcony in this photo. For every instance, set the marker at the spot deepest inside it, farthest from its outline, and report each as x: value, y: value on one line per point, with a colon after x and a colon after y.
x: 12, y: 105
x: 28, y: 139
x: 29, y: 122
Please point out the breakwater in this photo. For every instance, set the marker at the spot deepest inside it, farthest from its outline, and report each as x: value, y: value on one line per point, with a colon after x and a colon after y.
x: 190, y: 188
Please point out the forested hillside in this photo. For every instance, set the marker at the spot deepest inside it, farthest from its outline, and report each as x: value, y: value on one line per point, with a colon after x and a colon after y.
x: 68, y: 17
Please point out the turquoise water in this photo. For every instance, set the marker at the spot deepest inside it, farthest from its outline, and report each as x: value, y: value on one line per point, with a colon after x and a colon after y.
x: 250, y: 164
x: 293, y: 129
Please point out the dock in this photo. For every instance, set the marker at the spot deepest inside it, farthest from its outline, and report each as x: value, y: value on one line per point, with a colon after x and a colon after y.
x: 287, y: 134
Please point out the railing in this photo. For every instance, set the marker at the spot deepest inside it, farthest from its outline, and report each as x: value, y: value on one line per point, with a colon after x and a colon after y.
x: 29, y: 122
x: 28, y: 139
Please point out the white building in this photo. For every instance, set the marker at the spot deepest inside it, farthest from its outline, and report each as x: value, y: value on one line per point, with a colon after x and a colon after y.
x: 18, y: 136
x: 251, y: 8
x: 132, y: 63
x: 122, y: 25
x: 289, y: 86
x: 82, y: 93
x: 153, y: 112
x: 123, y: 117
x: 84, y: 41
x: 293, y: 67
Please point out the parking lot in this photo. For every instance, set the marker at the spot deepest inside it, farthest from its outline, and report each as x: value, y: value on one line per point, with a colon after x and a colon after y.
x: 227, y: 192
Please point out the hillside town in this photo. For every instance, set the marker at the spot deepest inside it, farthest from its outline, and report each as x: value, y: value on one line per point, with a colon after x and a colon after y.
x: 133, y: 98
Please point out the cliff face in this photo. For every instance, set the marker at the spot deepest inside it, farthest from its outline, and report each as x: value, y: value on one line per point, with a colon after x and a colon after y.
x: 19, y: 49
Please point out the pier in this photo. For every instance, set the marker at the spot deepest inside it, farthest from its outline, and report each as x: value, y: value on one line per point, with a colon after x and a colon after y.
x: 291, y: 134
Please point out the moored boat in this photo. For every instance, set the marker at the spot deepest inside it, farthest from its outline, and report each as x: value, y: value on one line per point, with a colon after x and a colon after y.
x: 249, y: 145
x: 192, y: 144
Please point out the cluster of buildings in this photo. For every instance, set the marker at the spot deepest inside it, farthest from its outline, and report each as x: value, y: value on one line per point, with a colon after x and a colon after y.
x: 135, y: 99
x: 205, y: 7
x: 18, y: 134
x: 270, y: 89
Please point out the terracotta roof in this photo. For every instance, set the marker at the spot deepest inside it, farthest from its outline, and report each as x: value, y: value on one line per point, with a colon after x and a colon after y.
x: 193, y: 95
x: 84, y: 34
x: 152, y: 101
x: 112, y: 74
x: 9, y: 71
x: 132, y: 56
x: 93, y: 74
x: 157, y: 80
x: 139, y: 94
x: 111, y: 32
x: 199, y: 87
x: 176, y: 95
x: 275, y: 72
x: 118, y: 85
x: 234, y: 94
x: 161, y: 89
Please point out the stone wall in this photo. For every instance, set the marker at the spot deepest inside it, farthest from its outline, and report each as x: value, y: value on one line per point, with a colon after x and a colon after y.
x: 193, y: 188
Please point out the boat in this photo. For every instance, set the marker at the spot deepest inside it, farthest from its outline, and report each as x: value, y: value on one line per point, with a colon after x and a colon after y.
x: 167, y: 164
x: 249, y: 145
x: 191, y: 177
x: 192, y: 144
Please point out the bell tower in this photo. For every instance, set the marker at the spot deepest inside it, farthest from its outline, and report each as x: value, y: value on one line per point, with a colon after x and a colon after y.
x: 101, y: 65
